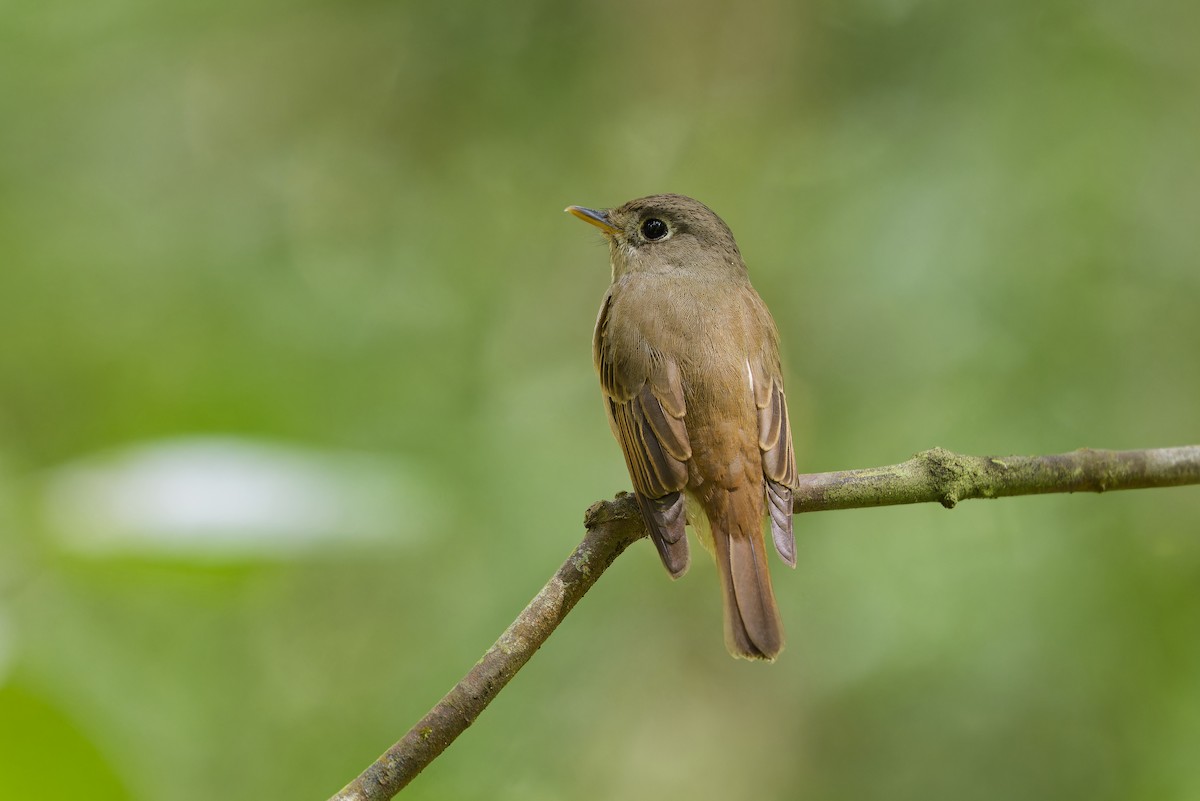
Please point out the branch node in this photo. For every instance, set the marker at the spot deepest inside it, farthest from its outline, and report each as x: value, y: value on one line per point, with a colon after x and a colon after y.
x: 621, y: 507
x: 949, y: 473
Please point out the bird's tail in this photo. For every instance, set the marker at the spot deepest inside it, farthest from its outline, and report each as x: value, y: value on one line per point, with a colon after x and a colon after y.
x: 753, y: 628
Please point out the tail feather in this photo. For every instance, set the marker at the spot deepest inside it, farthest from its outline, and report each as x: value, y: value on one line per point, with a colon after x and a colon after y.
x: 753, y: 628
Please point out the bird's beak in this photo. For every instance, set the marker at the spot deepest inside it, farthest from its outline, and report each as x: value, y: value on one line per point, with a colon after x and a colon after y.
x: 596, y: 218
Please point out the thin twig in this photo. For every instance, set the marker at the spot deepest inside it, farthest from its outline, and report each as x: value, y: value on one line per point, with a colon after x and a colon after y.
x: 611, y: 528
x: 935, y: 475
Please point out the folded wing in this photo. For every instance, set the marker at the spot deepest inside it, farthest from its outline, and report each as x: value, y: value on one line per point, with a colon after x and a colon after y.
x: 646, y: 410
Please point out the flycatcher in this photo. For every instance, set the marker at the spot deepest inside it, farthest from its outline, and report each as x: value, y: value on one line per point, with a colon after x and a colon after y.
x: 688, y: 358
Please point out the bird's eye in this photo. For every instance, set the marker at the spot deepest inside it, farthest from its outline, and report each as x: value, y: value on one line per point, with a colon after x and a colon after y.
x: 654, y: 228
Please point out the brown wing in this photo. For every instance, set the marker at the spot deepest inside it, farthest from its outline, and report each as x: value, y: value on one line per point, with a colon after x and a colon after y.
x: 778, y: 456
x: 646, y: 411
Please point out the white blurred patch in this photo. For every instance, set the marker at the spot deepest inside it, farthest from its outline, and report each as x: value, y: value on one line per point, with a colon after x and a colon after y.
x: 227, y: 497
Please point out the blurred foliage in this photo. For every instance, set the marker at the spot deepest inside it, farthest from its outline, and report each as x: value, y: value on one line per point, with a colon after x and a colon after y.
x: 339, y: 224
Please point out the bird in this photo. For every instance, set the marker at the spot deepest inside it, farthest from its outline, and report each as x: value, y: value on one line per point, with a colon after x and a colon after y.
x: 688, y: 359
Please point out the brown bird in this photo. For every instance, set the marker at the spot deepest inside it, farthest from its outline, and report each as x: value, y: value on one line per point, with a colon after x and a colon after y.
x: 688, y: 358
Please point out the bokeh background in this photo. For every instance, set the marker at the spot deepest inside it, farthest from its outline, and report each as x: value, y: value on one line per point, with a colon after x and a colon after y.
x: 297, y: 407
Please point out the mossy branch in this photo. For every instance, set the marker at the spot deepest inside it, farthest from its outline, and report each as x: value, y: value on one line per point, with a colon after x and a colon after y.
x: 935, y: 475
x: 941, y: 476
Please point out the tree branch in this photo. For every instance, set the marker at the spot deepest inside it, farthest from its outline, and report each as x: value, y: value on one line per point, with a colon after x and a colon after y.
x: 940, y: 476
x: 612, y: 526
x: 935, y: 475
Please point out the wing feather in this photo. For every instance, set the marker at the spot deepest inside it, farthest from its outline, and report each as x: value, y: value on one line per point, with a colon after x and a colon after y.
x: 646, y: 410
x: 778, y: 456
x: 670, y: 431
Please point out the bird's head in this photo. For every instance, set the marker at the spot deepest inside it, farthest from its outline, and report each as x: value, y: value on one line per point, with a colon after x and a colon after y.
x: 663, y: 233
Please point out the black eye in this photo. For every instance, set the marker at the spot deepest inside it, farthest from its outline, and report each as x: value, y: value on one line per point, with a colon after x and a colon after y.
x: 654, y: 228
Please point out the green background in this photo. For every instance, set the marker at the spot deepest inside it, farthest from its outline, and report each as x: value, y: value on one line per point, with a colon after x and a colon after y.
x: 337, y: 226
